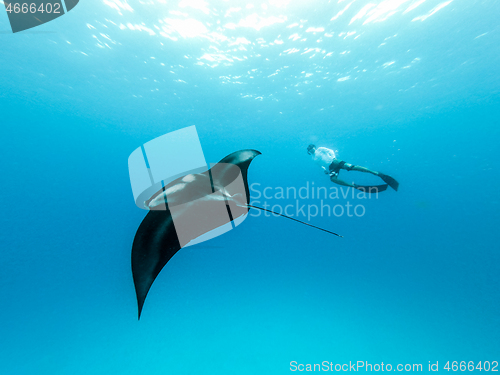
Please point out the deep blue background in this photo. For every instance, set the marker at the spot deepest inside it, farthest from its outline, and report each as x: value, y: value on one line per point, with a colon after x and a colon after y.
x: 414, y: 280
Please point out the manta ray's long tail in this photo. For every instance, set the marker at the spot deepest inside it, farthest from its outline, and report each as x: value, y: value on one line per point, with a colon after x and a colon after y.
x: 291, y: 218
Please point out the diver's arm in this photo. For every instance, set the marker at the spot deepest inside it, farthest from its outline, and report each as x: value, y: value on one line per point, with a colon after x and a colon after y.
x: 324, y: 170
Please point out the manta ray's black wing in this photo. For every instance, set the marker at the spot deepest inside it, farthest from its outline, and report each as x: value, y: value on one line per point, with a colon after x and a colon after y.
x: 156, y: 240
x: 155, y: 243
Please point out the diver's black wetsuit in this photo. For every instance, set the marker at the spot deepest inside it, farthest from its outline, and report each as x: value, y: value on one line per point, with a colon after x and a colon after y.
x: 337, y: 165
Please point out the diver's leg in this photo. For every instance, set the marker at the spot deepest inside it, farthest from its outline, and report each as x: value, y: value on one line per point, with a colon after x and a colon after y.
x: 337, y: 180
x: 387, y: 179
x: 350, y: 167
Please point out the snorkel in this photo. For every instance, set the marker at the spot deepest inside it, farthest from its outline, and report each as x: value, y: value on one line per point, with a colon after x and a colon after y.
x: 311, y: 149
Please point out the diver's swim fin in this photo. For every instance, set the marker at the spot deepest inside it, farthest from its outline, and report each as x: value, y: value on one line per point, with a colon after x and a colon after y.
x: 389, y: 181
x: 371, y: 188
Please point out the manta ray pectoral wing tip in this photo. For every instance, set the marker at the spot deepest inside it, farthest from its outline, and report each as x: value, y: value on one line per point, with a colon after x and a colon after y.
x: 252, y: 151
x: 139, y: 312
x: 140, y: 303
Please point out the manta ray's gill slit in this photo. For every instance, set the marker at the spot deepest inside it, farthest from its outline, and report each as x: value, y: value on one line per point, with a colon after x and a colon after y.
x: 229, y: 213
x: 211, y: 179
x: 147, y: 165
x: 225, y: 199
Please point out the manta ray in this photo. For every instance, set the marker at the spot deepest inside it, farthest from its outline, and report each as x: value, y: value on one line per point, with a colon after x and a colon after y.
x: 187, y: 208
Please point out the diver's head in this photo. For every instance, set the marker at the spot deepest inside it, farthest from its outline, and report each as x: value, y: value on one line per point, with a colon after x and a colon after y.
x: 311, y: 149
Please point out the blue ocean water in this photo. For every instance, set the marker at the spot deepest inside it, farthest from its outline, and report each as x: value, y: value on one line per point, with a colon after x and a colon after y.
x: 407, y: 87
